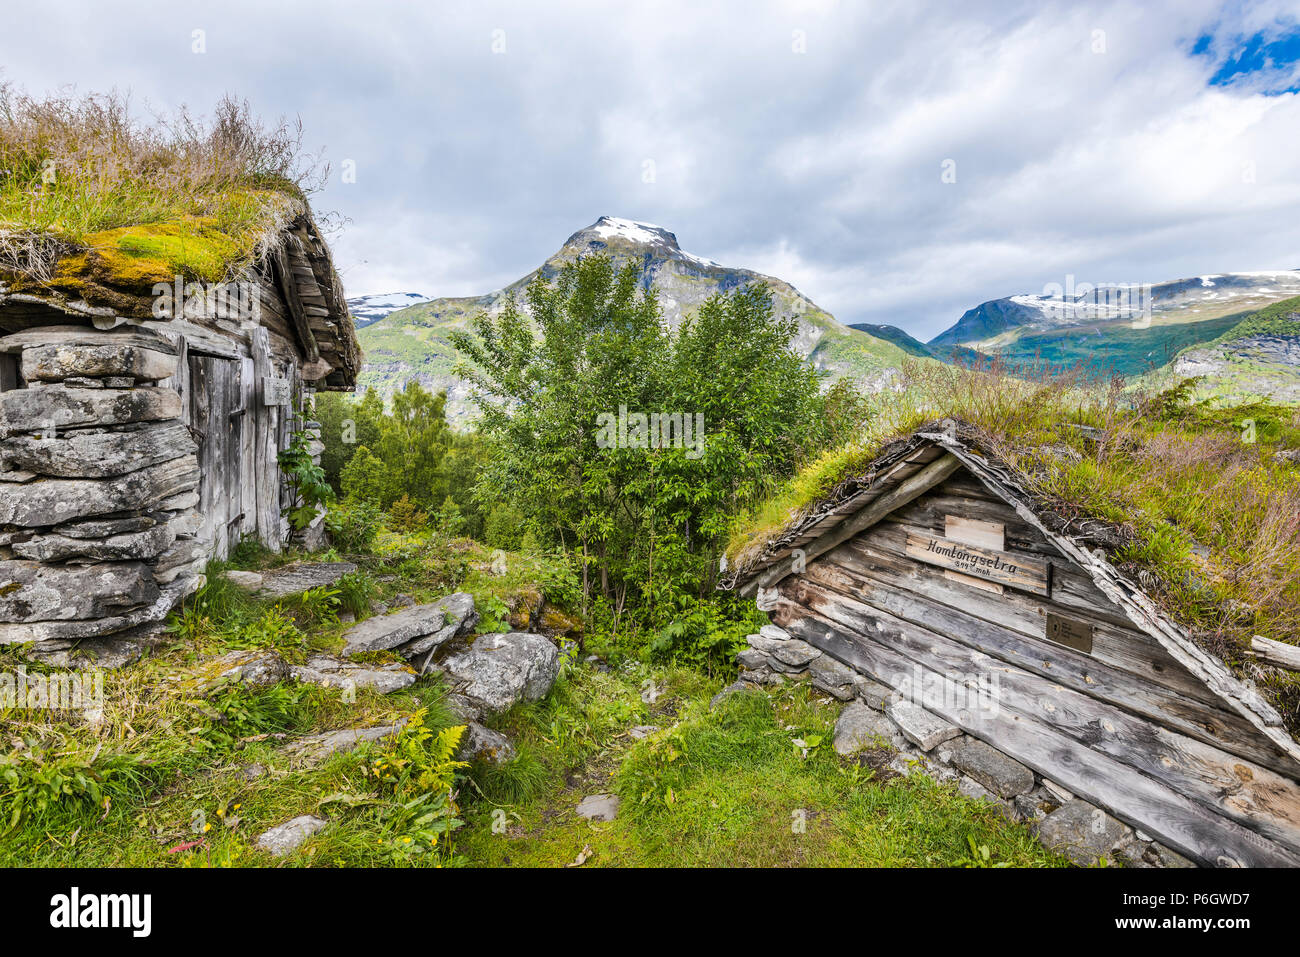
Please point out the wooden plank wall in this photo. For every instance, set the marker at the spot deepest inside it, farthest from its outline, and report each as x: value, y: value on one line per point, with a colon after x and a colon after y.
x: 1126, y: 726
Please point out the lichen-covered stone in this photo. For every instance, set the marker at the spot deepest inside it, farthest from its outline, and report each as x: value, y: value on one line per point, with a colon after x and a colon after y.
x: 501, y: 670
x: 57, y: 501
x: 98, y: 453
x: 32, y: 591
x: 130, y: 546
x: 67, y: 360
x: 56, y: 407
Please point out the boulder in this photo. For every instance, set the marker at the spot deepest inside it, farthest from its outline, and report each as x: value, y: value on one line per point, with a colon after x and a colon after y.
x: 1002, y: 775
x: 254, y: 668
x: 1081, y: 832
x: 751, y: 659
x: 289, y: 836
x: 500, y: 670
x: 98, y: 453
x: 32, y: 591
x: 484, y: 744
x: 419, y: 629
x: 57, y: 407
x: 57, y: 501
x: 67, y: 360
x: 859, y: 727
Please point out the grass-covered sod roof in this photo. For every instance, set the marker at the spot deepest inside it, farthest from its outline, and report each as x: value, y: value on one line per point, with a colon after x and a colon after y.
x: 1199, y: 505
x: 93, y: 201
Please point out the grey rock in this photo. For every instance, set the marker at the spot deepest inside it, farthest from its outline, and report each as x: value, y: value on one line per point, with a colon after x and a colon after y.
x: 330, y: 672
x: 1002, y: 775
x: 859, y: 726
x: 130, y: 546
x: 1081, y: 832
x: 1160, y: 856
x: 774, y: 633
x: 919, y: 726
x: 99, y: 453
x: 254, y: 668
x: 764, y: 644
x: 972, y: 789
x: 484, y: 744
x: 32, y: 591
x: 875, y: 694
x: 109, y: 359
x: 459, y: 619
x: 751, y: 659
x: 298, y: 577
x: 317, y: 747
x: 833, y: 677
x: 795, y: 653
x: 36, y: 410
x: 642, y: 731
x: 599, y: 807
x: 500, y: 670
x: 248, y: 581
x: 107, y: 527
x: 56, y: 501
x: 289, y: 836
x: 1027, y: 808
x: 437, y: 622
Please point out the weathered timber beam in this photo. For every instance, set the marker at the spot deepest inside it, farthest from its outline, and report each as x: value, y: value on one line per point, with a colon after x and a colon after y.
x: 904, y: 492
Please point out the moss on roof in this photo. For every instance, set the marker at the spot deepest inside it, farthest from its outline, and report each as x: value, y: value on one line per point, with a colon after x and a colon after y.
x: 91, y: 198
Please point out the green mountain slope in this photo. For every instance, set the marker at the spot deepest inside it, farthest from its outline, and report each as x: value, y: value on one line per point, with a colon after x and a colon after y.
x: 413, y: 342
x: 1122, y: 333
x: 1259, y: 357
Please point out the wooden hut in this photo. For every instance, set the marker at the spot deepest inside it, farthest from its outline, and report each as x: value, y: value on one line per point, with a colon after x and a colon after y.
x: 141, y: 417
x: 936, y: 570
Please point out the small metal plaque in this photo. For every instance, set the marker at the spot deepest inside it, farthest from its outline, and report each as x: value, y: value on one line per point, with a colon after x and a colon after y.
x: 275, y: 391
x: 1071, y: 633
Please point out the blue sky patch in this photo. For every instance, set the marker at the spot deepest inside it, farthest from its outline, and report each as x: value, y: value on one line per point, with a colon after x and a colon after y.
x: 1267, y: 61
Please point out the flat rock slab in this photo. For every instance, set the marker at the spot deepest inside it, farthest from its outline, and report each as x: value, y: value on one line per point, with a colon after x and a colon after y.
x: 919, y: 726
x: 131, y: 546
x: 98, y: 453
x: 57, y: 407
x: 1081, y: 832
x: 317, y: 747
x: 289, y: 836
x: 598, y: 807
x: 498, y: 671
x: 794, y: 652
x: 56, y: 501
x: 33, y: 591
x: 774, y: 633
x: 834, y: 678
x: 421, y: 628
x: 330, y: 672
x: 642, y: 731
x: 1002, y: 775
x: 859, y: 727
x: 69, y: 360
x: 292, y: 579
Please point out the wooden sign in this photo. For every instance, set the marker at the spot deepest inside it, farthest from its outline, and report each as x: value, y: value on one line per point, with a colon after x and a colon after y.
x: 1015, y: 571
x: 1069, y: 632
x: 970, y: 531
x: 275, y: 391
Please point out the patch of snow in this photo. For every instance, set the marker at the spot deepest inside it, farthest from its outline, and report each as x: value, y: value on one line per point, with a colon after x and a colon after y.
x: 1207, y: 280
x: 609, y: 227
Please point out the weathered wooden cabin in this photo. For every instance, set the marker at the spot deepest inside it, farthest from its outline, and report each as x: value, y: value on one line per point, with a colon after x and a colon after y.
x: 935, y: 572
x: 140, y: 428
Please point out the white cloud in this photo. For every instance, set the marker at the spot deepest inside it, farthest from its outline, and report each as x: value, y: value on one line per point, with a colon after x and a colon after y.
x: 822, y: 167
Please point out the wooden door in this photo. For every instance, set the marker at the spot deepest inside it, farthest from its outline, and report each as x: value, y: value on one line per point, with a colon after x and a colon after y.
x: 216, y: 413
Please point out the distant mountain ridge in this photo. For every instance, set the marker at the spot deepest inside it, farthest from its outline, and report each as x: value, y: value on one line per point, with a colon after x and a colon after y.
x: 413, y: 342
x: 368, y: 309
x: 1125, y: 332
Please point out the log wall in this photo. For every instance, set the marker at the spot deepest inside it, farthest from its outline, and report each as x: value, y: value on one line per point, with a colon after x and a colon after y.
x: 1124, y: 725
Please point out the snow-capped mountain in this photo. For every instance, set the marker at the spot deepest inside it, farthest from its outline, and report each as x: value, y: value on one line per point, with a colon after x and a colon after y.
x: 368, y: 309
x: 412, y: 342
x: 1126, y: 329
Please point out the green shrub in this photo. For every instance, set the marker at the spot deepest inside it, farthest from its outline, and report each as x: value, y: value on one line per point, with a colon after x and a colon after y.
x: 354, y: 525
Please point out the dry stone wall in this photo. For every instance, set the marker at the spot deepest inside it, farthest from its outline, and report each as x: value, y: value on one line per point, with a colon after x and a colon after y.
x: 98, y: 490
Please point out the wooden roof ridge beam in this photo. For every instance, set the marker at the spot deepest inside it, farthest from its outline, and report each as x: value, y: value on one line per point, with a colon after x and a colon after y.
x: 910, y: 488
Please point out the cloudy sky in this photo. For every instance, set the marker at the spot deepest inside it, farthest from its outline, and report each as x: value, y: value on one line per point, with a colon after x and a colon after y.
x: 898, y: 162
